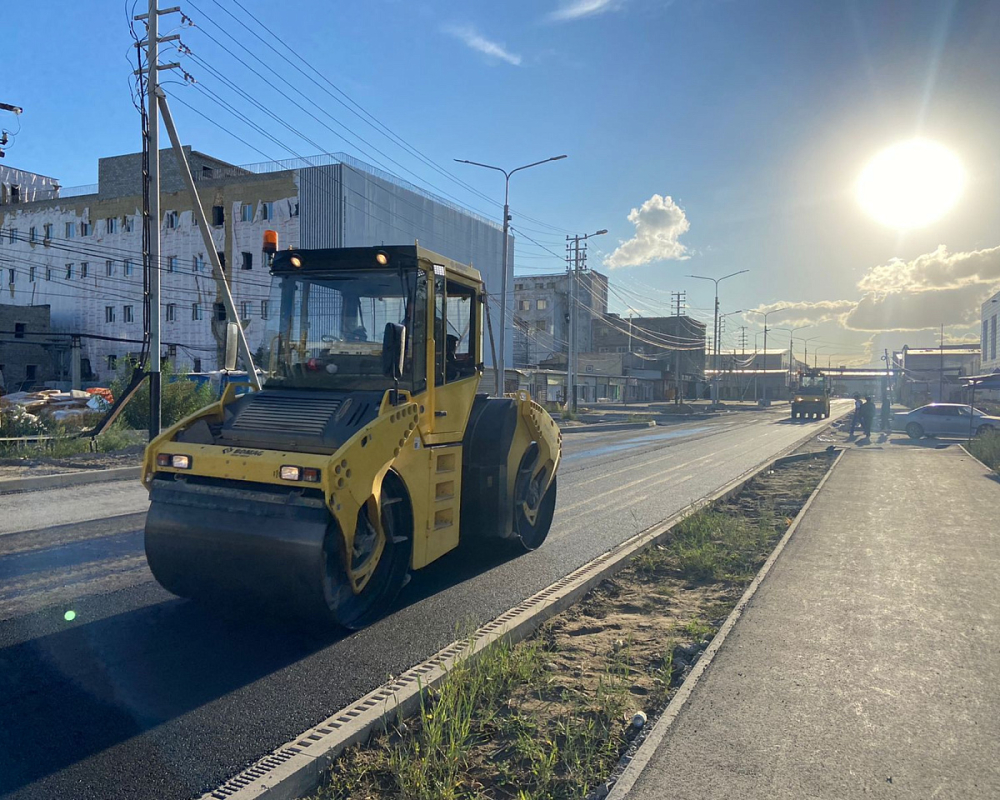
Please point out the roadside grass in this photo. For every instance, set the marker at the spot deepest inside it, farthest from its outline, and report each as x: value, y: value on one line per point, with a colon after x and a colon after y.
x: 67, y: 443
x: 987, y: 449
x: 551, y: 716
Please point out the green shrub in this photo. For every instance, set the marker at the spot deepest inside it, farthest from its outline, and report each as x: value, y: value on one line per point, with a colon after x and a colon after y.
x: 178, y: 398
x: 987, y: 449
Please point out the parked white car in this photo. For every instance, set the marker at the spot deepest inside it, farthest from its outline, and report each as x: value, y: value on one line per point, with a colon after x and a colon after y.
x: 945, y: 419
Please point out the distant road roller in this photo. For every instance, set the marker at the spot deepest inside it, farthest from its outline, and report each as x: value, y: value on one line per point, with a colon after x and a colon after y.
x: 368, y: 452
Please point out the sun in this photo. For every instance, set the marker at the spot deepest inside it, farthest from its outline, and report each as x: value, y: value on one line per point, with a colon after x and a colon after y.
x: 911, y: 184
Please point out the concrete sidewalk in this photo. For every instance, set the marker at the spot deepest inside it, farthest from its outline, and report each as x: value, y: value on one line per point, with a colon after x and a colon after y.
x: 868, y: 662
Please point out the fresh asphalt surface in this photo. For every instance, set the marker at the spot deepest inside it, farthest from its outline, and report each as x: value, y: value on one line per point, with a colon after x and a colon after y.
x: 144, y: 695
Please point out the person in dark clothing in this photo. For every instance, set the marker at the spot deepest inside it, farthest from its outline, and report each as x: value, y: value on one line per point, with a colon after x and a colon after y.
x: 867, y: 416
x: 856, y: 419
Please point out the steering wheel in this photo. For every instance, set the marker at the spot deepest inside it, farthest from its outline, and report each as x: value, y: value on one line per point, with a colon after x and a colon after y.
x: 327, y: 338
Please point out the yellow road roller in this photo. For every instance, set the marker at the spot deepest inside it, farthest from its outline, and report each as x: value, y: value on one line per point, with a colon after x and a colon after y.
x: 369, y: 451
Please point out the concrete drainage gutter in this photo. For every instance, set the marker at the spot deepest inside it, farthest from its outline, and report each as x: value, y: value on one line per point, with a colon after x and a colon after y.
x: 62, y: 479
x: 297, y: 768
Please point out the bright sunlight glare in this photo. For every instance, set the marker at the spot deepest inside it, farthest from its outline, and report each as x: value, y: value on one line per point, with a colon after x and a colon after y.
x: 911, y: 184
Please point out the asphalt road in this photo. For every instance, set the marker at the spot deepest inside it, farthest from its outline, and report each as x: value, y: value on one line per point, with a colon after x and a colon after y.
x: 142, y: 695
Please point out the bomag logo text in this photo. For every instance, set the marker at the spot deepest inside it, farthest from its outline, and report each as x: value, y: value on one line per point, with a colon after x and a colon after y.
x: 241, y: 451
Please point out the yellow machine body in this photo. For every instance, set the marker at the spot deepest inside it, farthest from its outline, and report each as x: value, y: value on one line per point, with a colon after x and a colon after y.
x: 231, y: 515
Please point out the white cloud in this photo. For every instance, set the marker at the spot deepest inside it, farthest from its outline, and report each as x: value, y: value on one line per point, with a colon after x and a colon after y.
x: 577, y: 9
x: 932, y: 289
x: 476, y: 41
x: 659, y: 223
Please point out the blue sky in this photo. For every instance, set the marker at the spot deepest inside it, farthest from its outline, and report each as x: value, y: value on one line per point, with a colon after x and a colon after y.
x: 755, y: 118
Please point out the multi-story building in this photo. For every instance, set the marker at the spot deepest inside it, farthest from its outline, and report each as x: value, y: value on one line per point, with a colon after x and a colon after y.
x: 80, y: 251
x: 990, y: 359
x: 541, y: 315
x: 660, y: 343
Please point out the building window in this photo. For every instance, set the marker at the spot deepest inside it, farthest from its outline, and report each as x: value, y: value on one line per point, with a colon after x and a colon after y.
x: 69, y: 272
x: 198, y: 264
x: 127, y: 268
x: 293, y: 208
x: 171, y: 312
x: 541, y: 304
x: 267, y: 211
x: 19, y: 328
x: 523, y: 305
x: 993, y: 338
x: 172, y: 264
x: 10, y: 276
x: 247, y: 260
x: 127, y: 314
x: 220, y: 312
x: 128, y: 224
x: 222, y: 259
x: 196, y: 367
x: 170, y: 219
x: 112, y: 363
x: 218, y: 215
x: 196, y: 311
x: 541, y: 325
x: 263, y: 309
x: 84, y: 269
x: 47, y: 230
x: 109, y: 314
x: 70, y: 230
x: 48, y: 273
x: 111, y: 225
x: 32, y: 234
x: 109, y: 268
x: 171, y: 351
x: 245, y: 310
x: 31, y: 274
x: 30, y: 372
x: 246, y: 213
x: 86, y: 229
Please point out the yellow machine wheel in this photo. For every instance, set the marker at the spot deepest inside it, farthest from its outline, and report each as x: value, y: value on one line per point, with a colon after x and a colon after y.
x: 355, y: 611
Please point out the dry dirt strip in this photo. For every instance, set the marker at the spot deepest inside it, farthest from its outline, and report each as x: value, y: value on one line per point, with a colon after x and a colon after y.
x: 633, y: 768
x: 299, y: 767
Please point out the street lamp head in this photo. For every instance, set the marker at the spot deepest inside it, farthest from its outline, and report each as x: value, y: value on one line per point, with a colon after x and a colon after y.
x: 601, y: 232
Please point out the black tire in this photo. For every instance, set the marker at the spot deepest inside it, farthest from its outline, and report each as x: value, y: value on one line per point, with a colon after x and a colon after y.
x: 914, y: 430
x: 355, y: 611
x: 530, y: 536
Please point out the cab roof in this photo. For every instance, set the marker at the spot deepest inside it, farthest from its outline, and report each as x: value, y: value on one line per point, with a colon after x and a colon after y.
x: 341, y: 258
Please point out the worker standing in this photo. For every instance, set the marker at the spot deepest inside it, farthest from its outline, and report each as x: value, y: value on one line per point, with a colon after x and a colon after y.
x: 867, y: 416
x: 856, y: 419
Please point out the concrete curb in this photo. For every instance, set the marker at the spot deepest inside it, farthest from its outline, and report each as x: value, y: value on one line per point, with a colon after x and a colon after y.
x: 993, y: 473
x: 62, y: 479
x: 662, y: 727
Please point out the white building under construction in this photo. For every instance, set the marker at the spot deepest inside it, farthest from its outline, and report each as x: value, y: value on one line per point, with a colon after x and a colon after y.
x: 79, y: 250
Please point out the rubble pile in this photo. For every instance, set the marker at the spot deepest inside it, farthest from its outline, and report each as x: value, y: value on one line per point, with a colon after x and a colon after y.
x: 73, y: 407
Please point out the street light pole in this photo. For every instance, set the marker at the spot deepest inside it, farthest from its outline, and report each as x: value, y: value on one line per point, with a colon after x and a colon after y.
x: 715, y: 333
x: 500, y: 369
x: 765, y: 315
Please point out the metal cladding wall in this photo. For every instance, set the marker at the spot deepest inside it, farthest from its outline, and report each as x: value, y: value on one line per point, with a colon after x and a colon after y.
x: 344, y: 205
